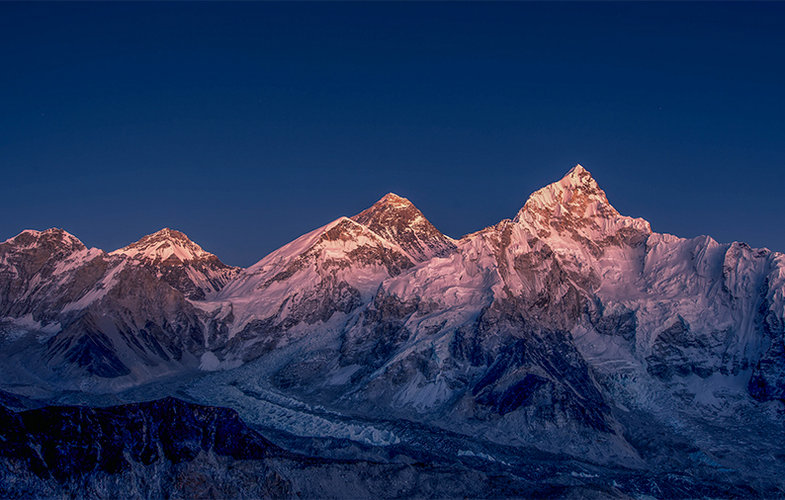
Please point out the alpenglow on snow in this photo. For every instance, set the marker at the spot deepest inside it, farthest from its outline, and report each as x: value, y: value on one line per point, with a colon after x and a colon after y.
x: 569, y: 336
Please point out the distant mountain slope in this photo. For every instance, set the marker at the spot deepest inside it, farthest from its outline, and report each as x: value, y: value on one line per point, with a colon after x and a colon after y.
x: 68, y: 312
x: 570, y: 328
x: 181, y: 263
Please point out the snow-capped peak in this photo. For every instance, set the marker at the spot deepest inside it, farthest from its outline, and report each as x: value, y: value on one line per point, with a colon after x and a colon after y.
x: 579, y: 173
x: 52, y: 236
x: 577, y: 193
x: 181, y: 263
x: 391, y: 209
x: 396, y: 219
x: 575, y: 210
x: 166, y: 244
x: 393, y: 199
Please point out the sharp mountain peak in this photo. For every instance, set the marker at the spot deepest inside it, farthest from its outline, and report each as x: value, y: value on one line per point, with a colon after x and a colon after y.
x: 578, y: 172
x: 164, y: 244
x: 397, y: 219
x: 395, y: 200
x: 576, y: 194
x: 577, y: 208
x: 390, y: 208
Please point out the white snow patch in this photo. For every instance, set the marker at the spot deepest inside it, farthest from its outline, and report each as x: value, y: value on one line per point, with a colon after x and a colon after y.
x: 342, y: 375
x: 21, y: 326
x: 209, y: 362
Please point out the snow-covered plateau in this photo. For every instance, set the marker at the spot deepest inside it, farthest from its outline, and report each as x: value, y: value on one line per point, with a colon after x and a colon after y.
x: 569, y: 350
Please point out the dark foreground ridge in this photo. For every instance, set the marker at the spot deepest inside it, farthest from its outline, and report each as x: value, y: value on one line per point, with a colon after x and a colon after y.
x: 171, y: 448
x: 63, y: 441
x: 60, y: 449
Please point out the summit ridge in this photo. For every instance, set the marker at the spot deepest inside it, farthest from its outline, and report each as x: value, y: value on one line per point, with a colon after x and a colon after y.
x: 162, y: 245
x: 571, y: 331
x: 398, y: 220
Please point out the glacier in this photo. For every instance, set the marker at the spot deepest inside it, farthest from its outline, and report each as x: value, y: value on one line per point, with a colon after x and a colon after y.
x: 570, y: 336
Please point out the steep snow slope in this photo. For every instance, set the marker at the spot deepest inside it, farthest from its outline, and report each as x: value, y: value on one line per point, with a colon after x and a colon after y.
x: 331, y: 271
x: 321, y: 278
x: 571, y: 328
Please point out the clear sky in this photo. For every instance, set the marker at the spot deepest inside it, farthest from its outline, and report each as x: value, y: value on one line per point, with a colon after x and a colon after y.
x: 247, y: 124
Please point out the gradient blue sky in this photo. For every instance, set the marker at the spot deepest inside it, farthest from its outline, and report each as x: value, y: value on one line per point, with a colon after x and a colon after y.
x: 247, y: 124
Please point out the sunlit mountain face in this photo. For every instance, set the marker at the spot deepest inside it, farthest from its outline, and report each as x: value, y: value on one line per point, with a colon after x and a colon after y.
x: 567, y: 351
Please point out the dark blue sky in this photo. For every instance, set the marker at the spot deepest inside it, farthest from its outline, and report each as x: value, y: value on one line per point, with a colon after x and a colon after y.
x: 248, y: 124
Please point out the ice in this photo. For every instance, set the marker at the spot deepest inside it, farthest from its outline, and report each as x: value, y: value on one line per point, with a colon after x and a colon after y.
x: 209, y: 362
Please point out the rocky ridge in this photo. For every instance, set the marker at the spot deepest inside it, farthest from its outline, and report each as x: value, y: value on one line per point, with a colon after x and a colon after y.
x: 181, y: 263
x: 562, y: 329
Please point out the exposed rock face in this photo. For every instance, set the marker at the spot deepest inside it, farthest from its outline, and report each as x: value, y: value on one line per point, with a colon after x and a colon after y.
x: 181, y: 263
x: 483, y: 335
x: 69, y: 313
x: 397, y: 220
x: 576, y: 210
x: 64, y: 442
x: 42, y: 271
x: 160, y: 448
x: 677, y: 351
x: 768, y: 378
x: 140, y: 323
x: 564, y: 328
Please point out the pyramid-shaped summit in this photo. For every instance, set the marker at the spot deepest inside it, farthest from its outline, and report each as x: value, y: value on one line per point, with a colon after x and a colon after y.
x: 165, y: 245
x: 183, y: 264
x: 576, y: 193
x: 577, y: 209
x: 396, y: 219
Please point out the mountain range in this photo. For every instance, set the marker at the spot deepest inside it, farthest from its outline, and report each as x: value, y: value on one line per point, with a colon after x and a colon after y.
x: 619, y: 360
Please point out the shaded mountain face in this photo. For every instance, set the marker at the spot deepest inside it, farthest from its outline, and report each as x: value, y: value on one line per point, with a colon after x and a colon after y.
x: 171, y: 448
x: 161, y: 448
x: 486, y: 333
x: 69, y: 313
x: 67, y: 442
x: 42, y: 271
x: 564, y: 328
